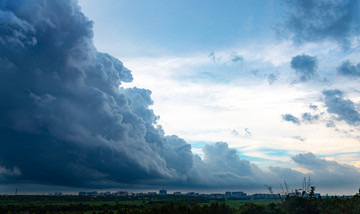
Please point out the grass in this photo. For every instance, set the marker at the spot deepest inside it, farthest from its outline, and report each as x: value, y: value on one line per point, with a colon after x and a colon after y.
x: 237, y: 203
x: 97, y: 202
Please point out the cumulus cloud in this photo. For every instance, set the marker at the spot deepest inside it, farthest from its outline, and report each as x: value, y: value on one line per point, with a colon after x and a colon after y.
x: 345, y: 109
x: 313, y: 21
x: 328, y: 173
x: 305, y: 66
x: 223, y: 166
x: 64, y: 119
x: 324, y: 174
x: 291, y: 118
x: 349, y: 70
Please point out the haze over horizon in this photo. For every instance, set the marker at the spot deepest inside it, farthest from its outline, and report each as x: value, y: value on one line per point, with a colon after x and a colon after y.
x: 203, y: 95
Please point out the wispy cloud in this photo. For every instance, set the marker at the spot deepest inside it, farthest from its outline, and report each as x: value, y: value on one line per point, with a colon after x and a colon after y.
x: 299, y: 138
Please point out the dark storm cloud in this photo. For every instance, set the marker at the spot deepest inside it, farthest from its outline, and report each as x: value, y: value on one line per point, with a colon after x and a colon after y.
x: 64, y: 119
x: 349, y: 70
x: 313, y: 21
x: 291, y: 118
x: 345, y: 109
x: 304, y: 66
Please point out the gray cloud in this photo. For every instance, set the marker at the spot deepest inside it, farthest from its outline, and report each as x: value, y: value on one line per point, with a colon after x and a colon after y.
x: 313, y: 21
x: 247, y: 132
x: 345, y: 109
x: 235, y: 132
x: 286, y: 174
x: 223, y: 166
x: 349, y: 70
x: 272, y: 77
x: 237, y: 58
x: 22, y: 31
x: 299, y: 138
x: 330, y: 124
x: 307, y: 117
x: 324, y: 174
x: 241, y: 133
x: 328, y: 173
x: 291, y: 118
x: 305, y: 66
x: 313, y: 107
x: 212, y: 56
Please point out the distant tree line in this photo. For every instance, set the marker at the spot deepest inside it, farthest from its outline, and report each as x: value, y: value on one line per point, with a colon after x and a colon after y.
x: 290, y: 205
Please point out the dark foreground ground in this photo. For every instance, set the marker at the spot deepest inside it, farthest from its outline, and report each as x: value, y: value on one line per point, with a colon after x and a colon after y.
x: 174, y: 205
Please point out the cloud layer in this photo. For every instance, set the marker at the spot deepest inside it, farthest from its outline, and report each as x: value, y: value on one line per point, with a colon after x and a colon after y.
x: 66, y: 120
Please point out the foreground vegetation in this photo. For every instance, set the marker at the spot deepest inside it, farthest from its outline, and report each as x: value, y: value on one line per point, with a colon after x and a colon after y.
x: 186, y: 205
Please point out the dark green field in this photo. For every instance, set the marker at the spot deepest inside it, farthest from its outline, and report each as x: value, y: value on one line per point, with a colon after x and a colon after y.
x: 87, y: 204
x: 174, y: 204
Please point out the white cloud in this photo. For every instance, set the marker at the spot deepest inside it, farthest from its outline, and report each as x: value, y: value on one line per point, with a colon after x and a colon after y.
x: 202, y: 110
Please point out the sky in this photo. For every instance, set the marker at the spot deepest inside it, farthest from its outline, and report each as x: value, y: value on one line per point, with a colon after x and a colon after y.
x: 184, y: 95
